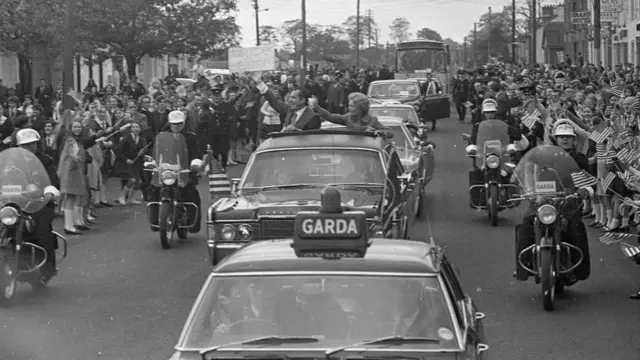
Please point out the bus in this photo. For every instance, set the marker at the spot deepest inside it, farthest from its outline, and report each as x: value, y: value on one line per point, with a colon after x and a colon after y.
x: 417, y: 57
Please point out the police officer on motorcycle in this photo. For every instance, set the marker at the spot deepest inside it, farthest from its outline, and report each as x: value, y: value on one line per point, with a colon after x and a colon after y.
x: 29, y: 139
x: 190, y: 192
x: 564, y: 136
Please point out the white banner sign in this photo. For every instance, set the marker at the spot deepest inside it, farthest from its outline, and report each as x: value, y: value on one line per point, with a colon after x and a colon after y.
x: 607, y: 16
x: 605, y: 5
x: 581, y: 17
x: 257, y: 58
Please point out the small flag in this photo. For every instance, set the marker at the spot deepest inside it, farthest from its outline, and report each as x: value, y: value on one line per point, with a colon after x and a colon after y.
x: 630, y: 251
x: 601, y: 136
x: 219, y: 184
x: 615, y: 91
x: 530, y: 118
x: 606, y: 183
x: 601, y: 150
x: 583, y: 179
x: 614, y: 238
x: 608, y: 157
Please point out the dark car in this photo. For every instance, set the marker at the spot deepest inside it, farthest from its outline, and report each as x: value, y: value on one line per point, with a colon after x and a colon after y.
x: 409, y: 91
x: 330, y: 293
x: 286, y: 175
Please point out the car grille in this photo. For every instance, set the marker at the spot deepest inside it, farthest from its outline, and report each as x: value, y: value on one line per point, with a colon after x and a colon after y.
x: 277, y: 228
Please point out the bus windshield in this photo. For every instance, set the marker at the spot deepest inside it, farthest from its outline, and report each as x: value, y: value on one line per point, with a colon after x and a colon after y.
x: 420, y: 60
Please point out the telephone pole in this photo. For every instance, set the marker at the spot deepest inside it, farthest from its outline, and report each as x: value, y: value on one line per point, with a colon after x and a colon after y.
x: 358, y: 34
x: 370, y: 35
x: 67, y: 47
x: 464, y: 44
x: 513, y: 31
x: 534, y: 28
x: 475, y: 44
x: 489, y: 38
x: 304, y: 39
x: 257, y: 9
x: 597, y: 32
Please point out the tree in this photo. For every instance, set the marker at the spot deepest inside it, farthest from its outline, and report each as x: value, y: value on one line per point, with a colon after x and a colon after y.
x: 33, y: 28
x: 268, y: 35
x: 291, y: 31
x: 368, y: 30
x: 321, y: 40
x: 524, y: 8
x: 429, y: 34
x: 400, y: 29
x: 139, y: 28
x: 496, y: 27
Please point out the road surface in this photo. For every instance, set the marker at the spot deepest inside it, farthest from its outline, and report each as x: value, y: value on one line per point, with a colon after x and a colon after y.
x: 119, y: 296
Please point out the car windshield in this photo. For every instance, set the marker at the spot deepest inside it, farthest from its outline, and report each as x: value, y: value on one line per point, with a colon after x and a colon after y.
x: 314, y: 166
x: 405, y: 114
x: 394, y: 89
x: 336, y: 309
x: 401, y: 141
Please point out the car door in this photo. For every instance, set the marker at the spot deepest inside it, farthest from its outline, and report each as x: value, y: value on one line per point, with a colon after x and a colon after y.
x: 428, y: 163
x: 395, y: 211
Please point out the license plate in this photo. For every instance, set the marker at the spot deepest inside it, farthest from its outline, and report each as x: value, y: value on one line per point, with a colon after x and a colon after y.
x: 11, y: 190
x: 545, y: 187
x: 493, y: 143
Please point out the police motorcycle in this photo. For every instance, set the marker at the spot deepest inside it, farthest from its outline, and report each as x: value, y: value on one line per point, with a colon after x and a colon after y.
x: 489, y: 189
x: 25, y: 189
x: 551, y: 218
x: 170, y: 172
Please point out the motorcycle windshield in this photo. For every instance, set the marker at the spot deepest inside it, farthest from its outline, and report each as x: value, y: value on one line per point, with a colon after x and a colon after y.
x: 170, y: 153
x: 492, y: 138
x: 546, y: 171
x: 23, y: 180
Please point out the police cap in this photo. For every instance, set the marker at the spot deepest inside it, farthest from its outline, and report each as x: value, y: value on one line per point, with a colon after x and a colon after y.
x: 177, y: 117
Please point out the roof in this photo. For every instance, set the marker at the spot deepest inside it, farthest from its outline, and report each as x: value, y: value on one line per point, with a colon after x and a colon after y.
x: 391, y: 105
x: 395, y: 81
x: 335, y: 138
x: 384, y: 255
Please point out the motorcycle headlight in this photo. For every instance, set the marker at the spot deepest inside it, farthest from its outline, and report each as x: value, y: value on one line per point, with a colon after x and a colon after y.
x: 493, y: 161
x: 547, y: 214
x: 228, y: 232
x: 245, y: 231
x: 168, y: 178
x: 8, y: 215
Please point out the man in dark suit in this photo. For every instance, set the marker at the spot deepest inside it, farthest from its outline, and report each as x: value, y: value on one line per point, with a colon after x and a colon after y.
x: 429, y: 111
x: 298, y: 115
x: 44, y: 95
x: 461, y: 93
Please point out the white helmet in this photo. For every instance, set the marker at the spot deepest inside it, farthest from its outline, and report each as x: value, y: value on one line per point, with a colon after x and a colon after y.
x: 177, y: 117
x: 564, y: 130
x: 489, y: 105
x: 27, y: 136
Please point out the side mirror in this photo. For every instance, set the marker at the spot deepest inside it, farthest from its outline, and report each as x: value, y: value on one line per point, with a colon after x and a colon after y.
x: 511, y: 166
x: 148, y: 158
x: 466, y: 137
x: 234, y: 184
x: 150, y: 164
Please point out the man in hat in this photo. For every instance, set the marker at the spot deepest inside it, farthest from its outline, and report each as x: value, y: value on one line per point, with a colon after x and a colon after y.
x: 336, y: 94
x: 461, y: 93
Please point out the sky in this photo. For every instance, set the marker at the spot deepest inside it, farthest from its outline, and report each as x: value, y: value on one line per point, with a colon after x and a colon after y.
x: 451, y: 18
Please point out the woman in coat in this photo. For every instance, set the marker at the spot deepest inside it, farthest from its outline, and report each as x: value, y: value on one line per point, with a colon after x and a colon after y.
x: 73, y: 181
x: 129, y: 163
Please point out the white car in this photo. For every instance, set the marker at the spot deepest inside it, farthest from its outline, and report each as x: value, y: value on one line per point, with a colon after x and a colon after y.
x: 408, y: 113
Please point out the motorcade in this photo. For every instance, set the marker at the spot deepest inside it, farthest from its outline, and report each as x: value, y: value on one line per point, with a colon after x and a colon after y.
x: 417, y: 58
x: 331, y: 291
x: 22, y: 194
x: 489, y: 186
x: 544, y: 178
x: 170, y: 170
x: 408, y: 113
x: 417, y: 156
x: 396, y: 91
x: 286, y: 174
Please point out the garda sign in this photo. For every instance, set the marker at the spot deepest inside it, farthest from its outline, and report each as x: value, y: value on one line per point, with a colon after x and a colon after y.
x: 347, y: 225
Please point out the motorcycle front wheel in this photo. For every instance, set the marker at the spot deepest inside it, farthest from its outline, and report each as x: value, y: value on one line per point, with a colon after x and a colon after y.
x: 547, y: 272
x: 166, y: 222
x: 494, y: 200
x: 8, y: 281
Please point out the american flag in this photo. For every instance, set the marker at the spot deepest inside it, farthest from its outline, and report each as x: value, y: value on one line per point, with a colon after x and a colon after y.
x: 601, y: 136
x: 529, y: 119
x: 607, y: 111
x: 608, y: 157
x: 601, y: 150
x: 615, y: 91
x: 626, y: 155
x: 613, y: 238
x: 219, y: 184
x: 621, y: 139
x: 635, y: 106
x: 606, y: 183
x: 583, y: 179
x: 630, y: 251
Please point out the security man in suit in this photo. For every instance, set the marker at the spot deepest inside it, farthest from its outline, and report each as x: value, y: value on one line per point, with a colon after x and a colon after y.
x: 298, y: 114
x: 460, y: 94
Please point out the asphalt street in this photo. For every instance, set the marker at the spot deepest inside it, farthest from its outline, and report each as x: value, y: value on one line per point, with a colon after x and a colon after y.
x: 119, y: 296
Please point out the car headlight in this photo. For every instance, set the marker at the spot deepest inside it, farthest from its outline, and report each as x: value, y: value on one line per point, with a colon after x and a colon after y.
x: 8, y: 215
x: 228, y: 232
x: 375, y: 230
x: 168, y: 178
x: 547, y: 214
x: 245, y: 231
x: 493, y: 161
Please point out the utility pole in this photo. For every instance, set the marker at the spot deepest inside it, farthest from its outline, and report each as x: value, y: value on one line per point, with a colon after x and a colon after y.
x: 358, y: 34
x: 513, y: 31
x: 597, y: 32
x: 257, y: 9
x: 489, y: 38
x: 534, y: 28
x: 369, y: 36
x: 304, y: 39
x: 67, y: 47
x: 464, y: 44
x: 475, y: 44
